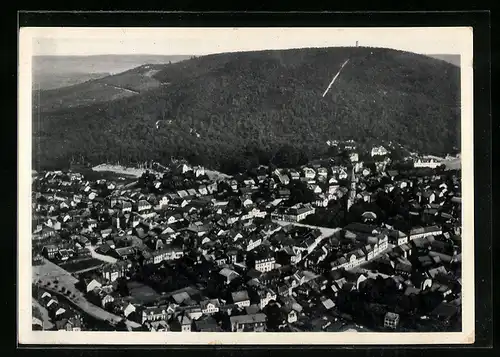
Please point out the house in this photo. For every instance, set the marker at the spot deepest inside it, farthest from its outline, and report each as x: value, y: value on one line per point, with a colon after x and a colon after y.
x: 74, y: 323
x: 228, y: 274
x: 47, y: 232
x: 194, y: 313
x: 49, y: 251
x: 210, y: 306
x: 163, y: 202
x: 342, y: 174
x: 157, y: 326
x: 421, y: 232
x: 124, y: 253
x: 309, y: 173
x: 106, y: 298
x: 284, y: 179
x: 431, y: 163
x: 184, y: 323
x: 112, y: 272
x: 106, y: 232
x: 128, y: 309
x: 266, y: 295
x: 206, y: 324
x: 252, y: 242
x: 143, y: 206
x: 92, y: 285
x: 155, y: 313
x: 264, y: 263
x: 254, y: 322
x: 391, y: 320
x: 203, y: 190
x: 327, y: 303
x: 290, y: 314
x: 240, y: 298
x: 299, y: 213
x: 315, y: 188
x: 378, y: 151
x: 397, y: 237
x: 322, y: 172
x: 294, y: 175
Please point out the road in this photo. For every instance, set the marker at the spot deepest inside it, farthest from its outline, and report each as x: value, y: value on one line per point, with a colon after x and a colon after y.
x: 49, y: 272
x: 47, y: 324
x: 104, y: 258
x: 325, y: 231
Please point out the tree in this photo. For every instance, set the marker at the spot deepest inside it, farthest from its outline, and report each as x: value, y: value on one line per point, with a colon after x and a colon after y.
x: 300, y: 193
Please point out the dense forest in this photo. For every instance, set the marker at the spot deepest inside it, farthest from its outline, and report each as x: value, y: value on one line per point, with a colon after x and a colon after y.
x: 236, y: 110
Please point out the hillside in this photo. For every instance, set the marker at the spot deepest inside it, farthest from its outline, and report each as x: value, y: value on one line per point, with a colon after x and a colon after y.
x: 105, y: 89
x: 51, y: 72
x: 230, y: 111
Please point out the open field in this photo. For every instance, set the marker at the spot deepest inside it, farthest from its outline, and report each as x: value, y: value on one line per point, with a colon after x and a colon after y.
x: 81, y: 265
x: 118, y: 169
x: 452, y: 163
x: 142, y: 293
x: 216, y: 175
x: 131, y: 172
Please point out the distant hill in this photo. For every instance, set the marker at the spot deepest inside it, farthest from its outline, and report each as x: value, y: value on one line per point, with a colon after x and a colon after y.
x: 105, y: 89
x: 235, y: 110
x: 50, y: 72
x: 58, y: 80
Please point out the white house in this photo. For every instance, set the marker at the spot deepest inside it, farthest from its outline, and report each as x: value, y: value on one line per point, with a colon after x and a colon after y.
x: 309, y: 173
x: 209, y: 307
x: 264, y: 264
x: 163, y: 202
x: 379, y: 150
x: 266, y: 296
x: 93, y: 284
x: 431, y: 163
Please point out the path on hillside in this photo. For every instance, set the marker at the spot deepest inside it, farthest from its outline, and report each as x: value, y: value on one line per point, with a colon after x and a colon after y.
x: 121, y: 88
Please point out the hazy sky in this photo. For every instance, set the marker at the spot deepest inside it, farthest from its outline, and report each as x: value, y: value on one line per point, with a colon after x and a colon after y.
x: 200, y: 41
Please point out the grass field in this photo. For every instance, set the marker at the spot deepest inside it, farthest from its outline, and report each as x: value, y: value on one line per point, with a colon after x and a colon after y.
x: 142, y: 293
x: 76, y: 266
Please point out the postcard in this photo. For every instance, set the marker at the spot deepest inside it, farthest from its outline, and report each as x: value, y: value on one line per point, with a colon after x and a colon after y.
x: 281, y: 185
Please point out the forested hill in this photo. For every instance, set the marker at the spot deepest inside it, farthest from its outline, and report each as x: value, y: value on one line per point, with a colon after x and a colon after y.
x: 228, y: 111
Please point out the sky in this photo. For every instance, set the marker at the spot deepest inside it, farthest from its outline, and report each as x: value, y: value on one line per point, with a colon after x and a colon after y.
x: 202, y: 41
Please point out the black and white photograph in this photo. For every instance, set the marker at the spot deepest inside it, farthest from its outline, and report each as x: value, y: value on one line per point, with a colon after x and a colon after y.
x: 282, y: 185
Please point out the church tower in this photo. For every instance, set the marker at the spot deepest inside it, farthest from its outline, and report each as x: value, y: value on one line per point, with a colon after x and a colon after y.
x: 352, y: 190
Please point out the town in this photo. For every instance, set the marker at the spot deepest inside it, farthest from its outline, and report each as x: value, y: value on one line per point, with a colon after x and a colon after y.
x: 350, y: 242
